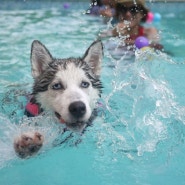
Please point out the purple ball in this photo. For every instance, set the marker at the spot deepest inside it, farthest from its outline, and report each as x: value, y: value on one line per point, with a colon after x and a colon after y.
x: 66, y: 5
x: 141, y: 42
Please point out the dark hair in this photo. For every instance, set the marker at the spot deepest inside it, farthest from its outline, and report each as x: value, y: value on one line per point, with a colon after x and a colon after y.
x: 96, y: 2
x: 142, y: 9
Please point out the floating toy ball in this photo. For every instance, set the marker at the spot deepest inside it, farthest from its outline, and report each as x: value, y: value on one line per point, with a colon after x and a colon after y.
x: 141, y: 42
x: 66, y: 5
x: 150, y: 17
x: 157, y: 17
x: 147, y: 49
x: 148, y: 53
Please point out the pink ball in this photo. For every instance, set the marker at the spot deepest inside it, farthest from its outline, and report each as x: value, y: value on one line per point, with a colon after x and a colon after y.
x: 150, y: 17
x: 141, y: 42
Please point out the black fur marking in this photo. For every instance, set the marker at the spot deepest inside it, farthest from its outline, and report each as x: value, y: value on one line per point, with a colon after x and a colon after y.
x: 42, y: 82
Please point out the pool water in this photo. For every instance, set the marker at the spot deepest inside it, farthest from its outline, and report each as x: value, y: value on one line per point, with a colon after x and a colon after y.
x: 139, y: 136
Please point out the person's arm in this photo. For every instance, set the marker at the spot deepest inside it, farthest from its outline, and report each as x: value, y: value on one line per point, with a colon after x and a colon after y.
x: 106, y: 11
x: 152, y: 34
x: 153, y: 37
x: 119, y: 30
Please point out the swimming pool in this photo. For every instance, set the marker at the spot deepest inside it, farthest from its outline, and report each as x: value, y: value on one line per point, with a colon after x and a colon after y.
x: 139, y: 137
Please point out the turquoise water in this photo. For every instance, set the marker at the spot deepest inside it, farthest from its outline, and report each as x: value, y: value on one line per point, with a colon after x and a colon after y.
x: 139, y: 137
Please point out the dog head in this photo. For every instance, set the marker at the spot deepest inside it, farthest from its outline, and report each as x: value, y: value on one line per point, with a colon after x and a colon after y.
x: 68, y: 87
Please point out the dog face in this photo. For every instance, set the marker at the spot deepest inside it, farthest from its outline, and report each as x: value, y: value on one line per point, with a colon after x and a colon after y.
x: 68, y: 87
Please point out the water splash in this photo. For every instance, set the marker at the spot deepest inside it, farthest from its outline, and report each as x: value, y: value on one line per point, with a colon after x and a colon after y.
x: 43, y: 124
x: 140, y: 106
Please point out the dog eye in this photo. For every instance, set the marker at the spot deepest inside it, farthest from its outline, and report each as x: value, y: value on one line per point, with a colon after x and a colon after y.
x: 85, y: 84
x: 57, y: 86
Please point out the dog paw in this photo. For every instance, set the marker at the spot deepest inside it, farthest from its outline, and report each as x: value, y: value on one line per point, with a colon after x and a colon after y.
x: 28, y: 144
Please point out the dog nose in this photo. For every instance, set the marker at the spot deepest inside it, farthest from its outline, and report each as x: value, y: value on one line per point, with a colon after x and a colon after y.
x: 77, y: 109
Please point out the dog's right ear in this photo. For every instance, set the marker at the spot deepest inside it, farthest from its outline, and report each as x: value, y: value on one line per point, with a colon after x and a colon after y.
x: 40, y: 58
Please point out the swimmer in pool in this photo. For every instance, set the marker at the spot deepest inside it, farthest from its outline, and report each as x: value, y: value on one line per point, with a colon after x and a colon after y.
x: 130, y: 15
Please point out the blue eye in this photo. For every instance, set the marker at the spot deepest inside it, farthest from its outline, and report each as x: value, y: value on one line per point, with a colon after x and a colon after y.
x: 85, y: 84
x: 57, y: 86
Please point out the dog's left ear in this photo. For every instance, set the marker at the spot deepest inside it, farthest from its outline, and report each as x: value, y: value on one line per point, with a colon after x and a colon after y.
x: 93, y: 56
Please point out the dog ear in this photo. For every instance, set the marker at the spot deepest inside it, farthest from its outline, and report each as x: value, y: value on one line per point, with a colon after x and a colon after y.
x: 40, y: 58
x: 93, y: 56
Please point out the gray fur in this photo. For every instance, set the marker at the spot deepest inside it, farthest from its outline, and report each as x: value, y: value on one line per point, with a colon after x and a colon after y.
x: 67, y: 87
x: 47, y: 66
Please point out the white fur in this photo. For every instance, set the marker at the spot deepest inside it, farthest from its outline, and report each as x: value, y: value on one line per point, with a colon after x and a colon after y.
x: 59, y: 100
x: 72, y: 102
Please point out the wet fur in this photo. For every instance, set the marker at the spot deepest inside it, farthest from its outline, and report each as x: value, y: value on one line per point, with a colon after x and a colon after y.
x: 69, y: 88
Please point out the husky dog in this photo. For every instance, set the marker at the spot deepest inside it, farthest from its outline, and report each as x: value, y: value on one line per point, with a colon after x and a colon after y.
x: 68, y: 87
